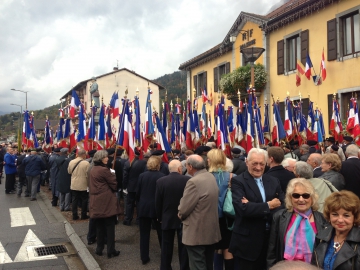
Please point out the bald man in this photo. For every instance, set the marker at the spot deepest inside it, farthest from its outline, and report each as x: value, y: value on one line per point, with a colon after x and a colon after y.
x: 169, y: 190
x: 315, y: 160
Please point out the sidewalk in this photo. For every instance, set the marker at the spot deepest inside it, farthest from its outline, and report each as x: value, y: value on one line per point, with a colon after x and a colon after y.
x: 127, y: 240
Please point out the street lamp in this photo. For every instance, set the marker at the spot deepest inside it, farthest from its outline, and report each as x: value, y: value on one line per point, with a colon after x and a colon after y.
x: 19, y: 148
x: 251, y: 54
x: 23, y: 92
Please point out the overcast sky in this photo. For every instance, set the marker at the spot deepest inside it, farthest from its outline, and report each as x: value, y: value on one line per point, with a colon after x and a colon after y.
x: 46, y: 47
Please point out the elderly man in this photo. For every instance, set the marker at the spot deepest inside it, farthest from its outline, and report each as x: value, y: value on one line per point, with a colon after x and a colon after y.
x: 314, y: 161
x: 64, y: 181
x: 239, y: 164
x: 322, y: 187
x: 169, y: 190
x: 256, y: 196
x: 78, y: 168
x: 199, y: 214
x: 10, y: 170
x: 350, y: 169
x: 304, y: 152
x: 289, y: 164
x: 34, y: 164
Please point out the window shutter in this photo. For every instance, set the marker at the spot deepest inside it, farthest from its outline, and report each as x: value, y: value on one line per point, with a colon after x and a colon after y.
x: 305, y: 107
x: 195, y: 82
x: 205, y: 80
x: 330, y: 103
x: 282, y: 111
x: 216, y: 82
x: 227, y: 68
x: 304, y: 45
x: 280, y: 57
x: 331, y: 40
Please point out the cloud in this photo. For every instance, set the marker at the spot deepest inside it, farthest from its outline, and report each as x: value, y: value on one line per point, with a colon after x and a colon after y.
x: 46, y: 47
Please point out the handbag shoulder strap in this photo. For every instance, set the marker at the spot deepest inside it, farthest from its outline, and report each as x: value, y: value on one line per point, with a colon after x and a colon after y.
x: 76, y: 166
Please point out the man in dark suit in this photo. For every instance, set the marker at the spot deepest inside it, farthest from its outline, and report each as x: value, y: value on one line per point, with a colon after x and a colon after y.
x: 131, y: 175
x: 169, y: 191
x: 350, y: 169
x: 275, y: 157
x: 255, y: 198
x: 239, y: 164
x: 315, y: 161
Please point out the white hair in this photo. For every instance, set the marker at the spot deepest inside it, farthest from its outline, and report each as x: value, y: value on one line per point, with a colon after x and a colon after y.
x: 285, y: 162
x: 229, y: 165
x: 257, y: 151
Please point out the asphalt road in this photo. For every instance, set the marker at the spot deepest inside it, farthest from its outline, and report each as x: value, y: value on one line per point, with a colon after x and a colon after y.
x: 26, y: 224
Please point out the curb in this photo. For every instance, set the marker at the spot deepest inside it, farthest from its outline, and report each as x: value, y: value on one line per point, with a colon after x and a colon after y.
x: 84, y: 254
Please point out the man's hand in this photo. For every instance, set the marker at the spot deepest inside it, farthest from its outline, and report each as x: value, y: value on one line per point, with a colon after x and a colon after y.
x: 179, y: 216
x: 244, y: 200
x: 274, y: 203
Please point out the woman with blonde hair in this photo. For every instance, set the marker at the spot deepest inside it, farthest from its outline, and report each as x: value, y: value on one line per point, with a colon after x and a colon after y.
x: 217, y: 166
x: 293, y: 230
x: 146, y: 211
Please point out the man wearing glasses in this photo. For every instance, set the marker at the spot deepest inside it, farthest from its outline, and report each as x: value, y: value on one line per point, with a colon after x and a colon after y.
x: 255, y: 198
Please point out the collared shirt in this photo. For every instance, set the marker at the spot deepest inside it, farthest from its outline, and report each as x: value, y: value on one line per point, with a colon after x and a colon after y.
x: 261, y: 188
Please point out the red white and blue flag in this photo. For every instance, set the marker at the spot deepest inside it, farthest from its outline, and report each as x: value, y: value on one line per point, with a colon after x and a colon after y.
x: 288, y: 124
x: 278, y: 132
x: 250, y: 130
x: 114, y: 105
x: 308, y: 67
x: 149, y: 125
x: 126, y: 136
x: 161, y: 139
x: 205, y: 97
x: 190, y: 127
x: 75, y: 103
x: 203, y: 122
x: 336, y: 127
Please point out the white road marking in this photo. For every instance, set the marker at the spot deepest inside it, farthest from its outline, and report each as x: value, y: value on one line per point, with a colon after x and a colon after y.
x: 21, y: 217
x: 4, y: 257
x: 26, y: 250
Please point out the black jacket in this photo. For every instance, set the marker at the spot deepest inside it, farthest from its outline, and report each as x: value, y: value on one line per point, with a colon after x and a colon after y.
x: 145, y: 193
x: 348, y: 256
x: 239, y: 166
x: 282, y: 174
x: 131, y: 174
x: 64, y: 178
x: 350, y: 169
x: 249, y: 233
x: 281, y: 220
x: 169, y: 191
x: 21, y: 166
x: 317, y: 172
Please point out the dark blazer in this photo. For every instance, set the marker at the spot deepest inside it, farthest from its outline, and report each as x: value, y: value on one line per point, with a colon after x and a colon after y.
x: 131, y: 173
x: 169, y: 191
x: 348, y: 257
x: 282, y: 174
x: 145, y: 193
x: 64, y: 178
x: 21, y: 166
x: 317, y: 172
x: 281, y: 220
x: 250, y: 218
x: 164, y: 168
x: 239, y: 166
x: 350, y: 169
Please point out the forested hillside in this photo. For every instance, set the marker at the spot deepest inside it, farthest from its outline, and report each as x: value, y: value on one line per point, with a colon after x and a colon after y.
x: 175, y: 85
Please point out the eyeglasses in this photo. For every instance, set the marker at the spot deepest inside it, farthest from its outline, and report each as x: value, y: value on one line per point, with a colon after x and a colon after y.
x: 304, y: 195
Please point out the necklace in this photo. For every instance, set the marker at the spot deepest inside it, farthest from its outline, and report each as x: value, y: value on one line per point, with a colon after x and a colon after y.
x: 337, y: 245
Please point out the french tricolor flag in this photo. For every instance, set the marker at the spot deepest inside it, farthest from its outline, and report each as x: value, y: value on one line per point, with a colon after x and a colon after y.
x: 190, y: 128
x: 126, y: 136
x: 114, y: 105
x: 288, y: 124
x: 250, y: 131
x: 308, y: 67
x: 149, y: 125
x: 161, y: 138
x: 75, y: 103
x: 205, y: 97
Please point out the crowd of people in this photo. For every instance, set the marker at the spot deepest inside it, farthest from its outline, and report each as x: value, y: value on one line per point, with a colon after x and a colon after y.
x: 293, y: 207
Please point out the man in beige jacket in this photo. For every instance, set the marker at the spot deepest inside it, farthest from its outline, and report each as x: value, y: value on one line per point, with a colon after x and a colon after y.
x: 78, y: 168
x: 199, y: 214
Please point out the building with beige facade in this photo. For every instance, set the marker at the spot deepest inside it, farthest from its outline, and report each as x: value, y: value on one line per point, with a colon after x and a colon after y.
x: 118, y: 81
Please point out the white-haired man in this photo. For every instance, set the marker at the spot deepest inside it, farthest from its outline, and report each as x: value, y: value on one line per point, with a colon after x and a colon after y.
x: 350, y: 169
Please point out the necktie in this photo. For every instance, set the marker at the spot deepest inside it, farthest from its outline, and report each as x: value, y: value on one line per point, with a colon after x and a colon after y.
x: 261, y: 187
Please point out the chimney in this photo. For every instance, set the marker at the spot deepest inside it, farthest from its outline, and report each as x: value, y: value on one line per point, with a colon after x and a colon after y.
x: 115, y: 68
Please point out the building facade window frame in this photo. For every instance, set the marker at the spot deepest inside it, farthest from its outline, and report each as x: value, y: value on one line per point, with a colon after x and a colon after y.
x: 345, y: 101
x: 287, y: 59
x: 340, y: 18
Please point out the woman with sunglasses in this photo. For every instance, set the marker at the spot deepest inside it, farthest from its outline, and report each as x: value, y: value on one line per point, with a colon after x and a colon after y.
x: 294, y: 229
x: 337, y: 246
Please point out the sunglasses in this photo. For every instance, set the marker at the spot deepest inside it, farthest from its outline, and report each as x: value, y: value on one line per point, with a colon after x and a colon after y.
x: 297, y: 195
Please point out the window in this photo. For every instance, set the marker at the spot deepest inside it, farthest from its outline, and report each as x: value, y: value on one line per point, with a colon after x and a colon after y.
x: 218, y: 72
x: 293, y: 47
x: 200, y: 80
x: 351, y: 34
x: 292, y: 52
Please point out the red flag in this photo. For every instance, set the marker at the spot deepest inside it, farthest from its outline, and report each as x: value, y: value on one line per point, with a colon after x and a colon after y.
x: 322, y: 67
